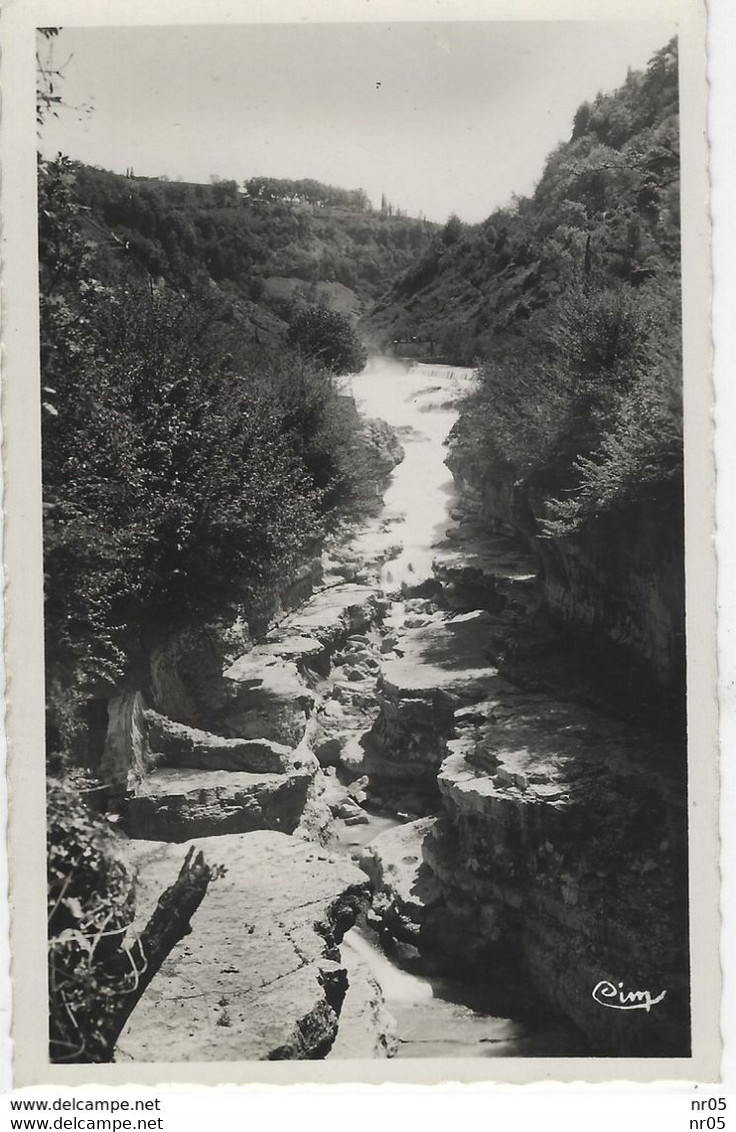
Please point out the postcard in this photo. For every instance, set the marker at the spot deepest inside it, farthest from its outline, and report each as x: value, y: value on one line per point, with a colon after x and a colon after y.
x: 360, y: 634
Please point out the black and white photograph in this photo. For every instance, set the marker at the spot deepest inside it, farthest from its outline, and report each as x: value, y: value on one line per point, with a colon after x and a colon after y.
x: 367, y: 653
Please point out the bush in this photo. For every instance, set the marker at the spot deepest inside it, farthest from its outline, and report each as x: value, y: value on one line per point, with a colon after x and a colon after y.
x: 639, y: 452
x: 328, y: 338
x: 176, y: 480
x: 90, y: 908
x: 588, y: 404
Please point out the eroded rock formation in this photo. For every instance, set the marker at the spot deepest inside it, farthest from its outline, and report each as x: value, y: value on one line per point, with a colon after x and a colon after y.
x: 542, y: 849
x: 260, y: 976
x: 557, y: 858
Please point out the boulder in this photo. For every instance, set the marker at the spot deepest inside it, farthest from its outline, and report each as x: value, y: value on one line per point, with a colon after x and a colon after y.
x: 350, y: 812
x: 305, y: 652
x: 384, y: 450
x: 177, y: 804
x: 181, y: 746
x: 260, y: 977
x: 347, y: 713
x: 448, y: 656
x: 481, y: 568
x: 266, y: 698
x: 407, y: 888
x: 336, y: 613
x: 366, y: 1029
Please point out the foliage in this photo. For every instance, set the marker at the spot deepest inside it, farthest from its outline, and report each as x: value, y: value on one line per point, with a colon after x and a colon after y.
x: 301, y: 231
x: 570, y: 300
x: 184, y: 469
x: 90, y: 909
x: 327, y: 337
x: 306, y: 191
x: 639, y: 448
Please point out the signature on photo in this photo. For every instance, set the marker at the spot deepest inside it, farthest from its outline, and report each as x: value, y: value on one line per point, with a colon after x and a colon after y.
x: 615, y: 997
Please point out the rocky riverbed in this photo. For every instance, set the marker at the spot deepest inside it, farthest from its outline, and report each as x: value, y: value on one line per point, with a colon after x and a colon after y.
x: 370, y: 762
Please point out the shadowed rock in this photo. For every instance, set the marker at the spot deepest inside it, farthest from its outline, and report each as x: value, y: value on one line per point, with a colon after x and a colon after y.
x: 175, y: 805
x: 127, y: 757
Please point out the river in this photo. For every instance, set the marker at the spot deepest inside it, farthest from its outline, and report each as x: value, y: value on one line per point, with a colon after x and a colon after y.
x: 421, y: 405
x: 435, y: 1017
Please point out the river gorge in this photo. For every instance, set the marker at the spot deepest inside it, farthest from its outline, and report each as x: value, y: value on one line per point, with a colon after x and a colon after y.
x: 429, y: 843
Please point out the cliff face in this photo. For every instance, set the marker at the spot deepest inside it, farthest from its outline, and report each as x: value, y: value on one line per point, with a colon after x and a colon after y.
x: 616, y: 587
x: 557, y: 861
x: 621, y: 581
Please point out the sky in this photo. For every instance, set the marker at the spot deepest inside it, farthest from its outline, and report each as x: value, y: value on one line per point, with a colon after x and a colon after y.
x: 441, y: 117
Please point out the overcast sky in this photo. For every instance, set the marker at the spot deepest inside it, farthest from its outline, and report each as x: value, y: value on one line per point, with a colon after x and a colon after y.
x: 442, y: 117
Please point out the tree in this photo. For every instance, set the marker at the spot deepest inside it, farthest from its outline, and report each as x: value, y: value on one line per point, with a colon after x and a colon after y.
x: 452, y: 230
x: 327, y: 337
x: 47, y: 98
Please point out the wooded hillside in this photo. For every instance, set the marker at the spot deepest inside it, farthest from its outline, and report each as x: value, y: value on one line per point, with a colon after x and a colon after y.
x: 570, y: 302
x: 264, y: 244
x: 606, y: 207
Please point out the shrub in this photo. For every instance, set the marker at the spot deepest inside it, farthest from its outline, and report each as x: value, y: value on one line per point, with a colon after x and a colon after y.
x: 173, y: 484
x: 639, y: 452
x: 328, y: 338
x: 90, y: 908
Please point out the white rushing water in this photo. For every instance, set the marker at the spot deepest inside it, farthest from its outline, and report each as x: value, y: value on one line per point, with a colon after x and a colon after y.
x: 398, y: 986
x: 440, y: 1018
x: 421, y: 405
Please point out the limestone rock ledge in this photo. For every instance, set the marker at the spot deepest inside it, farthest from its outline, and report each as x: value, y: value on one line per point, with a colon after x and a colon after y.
x: 558, y: 861
x: 436, y: 668
x: 177, y: 804
x: 177, y: 745
x: 260, y: 977
x: 616, y: 586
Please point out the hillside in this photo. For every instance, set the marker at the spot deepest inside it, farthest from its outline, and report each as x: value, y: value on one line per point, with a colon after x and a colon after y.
x: 569, y: 303
x: 263, y: 244
x: 606, y: 206
x: 575, y: 431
